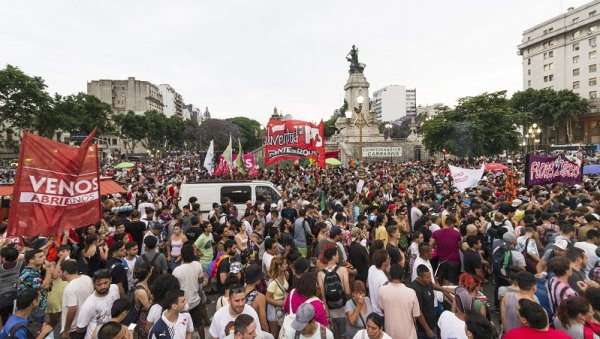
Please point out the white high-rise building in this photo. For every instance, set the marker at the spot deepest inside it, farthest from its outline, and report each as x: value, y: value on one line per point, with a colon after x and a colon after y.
x: 172, y: 101
x: 562, y: 53
x: 394, y: 102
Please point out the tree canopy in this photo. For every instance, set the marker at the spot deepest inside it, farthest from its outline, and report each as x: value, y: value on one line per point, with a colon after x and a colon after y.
x: 250, y: 132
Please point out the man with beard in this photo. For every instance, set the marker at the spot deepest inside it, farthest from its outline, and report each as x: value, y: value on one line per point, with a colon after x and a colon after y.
x: 225, y: 315
x: 95, y: 311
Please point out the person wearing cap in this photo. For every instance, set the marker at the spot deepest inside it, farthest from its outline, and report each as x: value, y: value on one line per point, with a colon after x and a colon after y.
x: 253, y: 276
x: 226, y: 314
x: 559, y: 249
x: 359, y: 257
x: 306, y: 326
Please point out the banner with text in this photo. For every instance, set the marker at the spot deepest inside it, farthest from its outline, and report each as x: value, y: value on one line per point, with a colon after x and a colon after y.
x: 294, y: 139
x: 381, y: 152
x: 56, y: 187
x: 540, y: 170
x: 464, y: 177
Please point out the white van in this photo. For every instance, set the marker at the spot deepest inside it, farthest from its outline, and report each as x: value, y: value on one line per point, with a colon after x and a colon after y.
x: 238, y: 191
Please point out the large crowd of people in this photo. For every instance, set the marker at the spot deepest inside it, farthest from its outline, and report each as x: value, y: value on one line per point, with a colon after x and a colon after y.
x: 382, y: 250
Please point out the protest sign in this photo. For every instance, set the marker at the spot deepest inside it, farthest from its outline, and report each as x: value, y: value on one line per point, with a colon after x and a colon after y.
x: 464, y: 177
x: 540, y: 170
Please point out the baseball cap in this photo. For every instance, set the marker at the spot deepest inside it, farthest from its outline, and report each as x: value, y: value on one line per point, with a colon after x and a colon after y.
x: 561, y: 243
x: 235, y: 267
x: 509, y: 238
x: 335, y: 231
x: 516, y: 203
x: 304, y: 315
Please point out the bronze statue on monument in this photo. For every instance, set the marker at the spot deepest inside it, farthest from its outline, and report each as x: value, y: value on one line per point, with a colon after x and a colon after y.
x: 352, y: 57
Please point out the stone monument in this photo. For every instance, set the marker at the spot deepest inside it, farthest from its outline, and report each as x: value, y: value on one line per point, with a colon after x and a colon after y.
x: 356, y: 129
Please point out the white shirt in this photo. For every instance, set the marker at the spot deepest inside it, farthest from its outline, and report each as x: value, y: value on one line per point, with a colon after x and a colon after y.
x: 376, y: 279
x: 415, y: 214
x: 75, y: 294
x: 266, y: 262
x: 95, y: 310
x: 222, y: 317
x: 188, y: 275
x: 451, y: 327
x: 179, y: 329
x: 434, y: 227
x: 590, y: 250
x: 130, y: 265
x: 316, y: 335
x: 362, y: 334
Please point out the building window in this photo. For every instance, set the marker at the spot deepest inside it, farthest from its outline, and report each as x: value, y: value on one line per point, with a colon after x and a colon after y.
x: 575, y: 35
x: 576, y: 59
x: 545, y: 55
x: 592, y: 42
x: 575, y: 84
x: 592, y: 68
x: 550, y: 29
x: 592, y: 29
x: 545, y: 44
x: 550, y: 54
x: 575, y: 72
x: 548, y: 78
x: 593, y: 95
x: 575, y: 46
x: 575, y: 19
x: 592, y: 82
x: 545, y: 31
x: 529, y: 61
x: 548, y: 67
x: 529, y: 71
x: 592, y: 55
x: 529, y: 83
x: 592, y: 13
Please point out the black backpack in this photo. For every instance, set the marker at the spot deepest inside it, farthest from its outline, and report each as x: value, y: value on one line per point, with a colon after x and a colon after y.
x: 8, y: 285
x: 501, y: 260
x: 492, y: 233
x: 15, y: 328
x: 134, y: 313
x: 334, y: 290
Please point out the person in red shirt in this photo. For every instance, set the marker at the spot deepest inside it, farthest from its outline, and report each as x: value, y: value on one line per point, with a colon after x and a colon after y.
x: 535, y: 323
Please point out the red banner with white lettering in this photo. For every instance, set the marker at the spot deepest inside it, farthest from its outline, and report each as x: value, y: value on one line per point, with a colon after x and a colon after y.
x: 294, y: 139
x: 56, y: 187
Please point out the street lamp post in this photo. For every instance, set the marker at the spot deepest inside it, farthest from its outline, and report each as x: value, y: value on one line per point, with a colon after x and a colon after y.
x: 533, y: 133
x: 360, y: 121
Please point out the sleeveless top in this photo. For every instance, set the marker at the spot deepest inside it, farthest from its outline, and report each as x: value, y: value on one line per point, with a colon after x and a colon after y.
x: 512, y: 315
x: 250, y: 297
x: 176, y: 246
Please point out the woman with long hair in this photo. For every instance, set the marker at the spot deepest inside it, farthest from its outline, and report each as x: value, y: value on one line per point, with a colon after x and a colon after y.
x: 306, y: 291
x: 572, y: 316
x: 174, y: 245
x: 276, y: 293
x: 373, y: 330
x: 142, y: 300
x: 241, y: 237
x: 93, y: 255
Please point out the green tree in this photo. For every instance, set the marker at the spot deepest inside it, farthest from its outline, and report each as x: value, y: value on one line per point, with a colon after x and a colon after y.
x: 250, y: 132
x: 79, y: 113
x: 219, y: 131
x: 479, y: 125
x: 22, y: 99
x: 328, y: 126
x: 131, y: 128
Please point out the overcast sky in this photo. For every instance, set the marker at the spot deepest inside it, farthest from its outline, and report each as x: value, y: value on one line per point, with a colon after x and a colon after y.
x: 245, y: 57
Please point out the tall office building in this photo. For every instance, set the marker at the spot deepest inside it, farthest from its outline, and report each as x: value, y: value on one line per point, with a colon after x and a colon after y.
x: 127, y: 95
x: 562, y: 53
x: 172, y: 101
x: 393, y: 102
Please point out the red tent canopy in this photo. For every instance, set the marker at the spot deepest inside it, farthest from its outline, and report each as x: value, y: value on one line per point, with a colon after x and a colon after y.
x: 107, y: 186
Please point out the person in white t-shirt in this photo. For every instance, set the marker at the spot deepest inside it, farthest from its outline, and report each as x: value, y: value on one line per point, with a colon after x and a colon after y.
x: 376, y: 277
x: 78, y: 289
x: 132, y: 249
x: 190, y: 274
x: 590, y: 246
x: 173, y: 323
x: 225, y: 315
x: 271, y: 250
x: 95, y: 310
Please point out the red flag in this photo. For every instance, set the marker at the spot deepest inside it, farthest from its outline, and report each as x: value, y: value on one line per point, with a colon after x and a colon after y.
x: 57, y: 187
x: 294, y: 139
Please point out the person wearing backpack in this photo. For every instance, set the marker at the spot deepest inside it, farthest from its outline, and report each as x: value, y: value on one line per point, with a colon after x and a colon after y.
x: 16, y: 326
x: 503, y: 257
x: 9, y: 277
x: 335, y: 289
x: 152, y: 256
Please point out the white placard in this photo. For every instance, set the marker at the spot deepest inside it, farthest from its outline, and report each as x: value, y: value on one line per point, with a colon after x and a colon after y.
x: 381, y: 152
x: 359, y: 186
